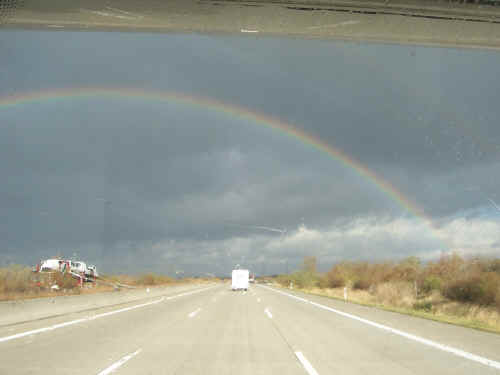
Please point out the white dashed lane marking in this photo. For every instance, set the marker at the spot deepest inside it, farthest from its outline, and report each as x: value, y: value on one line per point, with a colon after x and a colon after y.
x: 119, y: 363
x: 409, y: 336
x: 268, y: 313
x: 89, y: 318
x: 307, y: 365
x: 195, y: 312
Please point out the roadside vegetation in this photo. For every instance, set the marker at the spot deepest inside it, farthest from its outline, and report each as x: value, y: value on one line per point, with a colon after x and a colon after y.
x: 152, y: 279
x: 20, y: 282
x: 451, y: 289
x: 146, y: 279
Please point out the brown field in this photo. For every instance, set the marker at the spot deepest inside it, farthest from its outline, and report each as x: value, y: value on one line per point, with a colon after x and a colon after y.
x: 19, y: 282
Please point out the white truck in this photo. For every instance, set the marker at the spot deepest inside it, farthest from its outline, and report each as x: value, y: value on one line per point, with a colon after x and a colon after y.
x: 49, y: 265
x: 239, y: 280
x: 77, y: 269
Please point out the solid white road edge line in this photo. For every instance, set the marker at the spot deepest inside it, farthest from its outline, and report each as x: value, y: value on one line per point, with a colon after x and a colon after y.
x: 86, y: 319
x: 307, y: 365
x: 266, y: 310
x: 193, y: 314
x: 119, y: 363
x: 436, y: 345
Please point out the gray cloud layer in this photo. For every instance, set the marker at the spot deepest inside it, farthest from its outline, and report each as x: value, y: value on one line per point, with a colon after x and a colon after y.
x: 142, y: 185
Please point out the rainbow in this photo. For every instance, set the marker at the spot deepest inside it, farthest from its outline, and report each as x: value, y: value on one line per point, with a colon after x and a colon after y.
x: 232, y: 110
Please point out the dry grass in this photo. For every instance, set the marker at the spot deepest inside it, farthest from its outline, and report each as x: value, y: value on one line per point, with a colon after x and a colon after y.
x: 15, y: 279
x: 398, y: 294
x: 153, y: 279
x: 19, y: 282
x: 400, y: 297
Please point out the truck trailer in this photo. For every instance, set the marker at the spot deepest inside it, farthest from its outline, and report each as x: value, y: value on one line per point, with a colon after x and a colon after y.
x: 239, y: 280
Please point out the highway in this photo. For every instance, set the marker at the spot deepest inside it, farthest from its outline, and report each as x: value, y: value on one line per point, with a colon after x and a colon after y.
x: 400, y: 21
x: 213, y: 330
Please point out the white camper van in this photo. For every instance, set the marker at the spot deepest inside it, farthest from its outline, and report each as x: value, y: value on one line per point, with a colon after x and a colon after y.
x: 239, y: 280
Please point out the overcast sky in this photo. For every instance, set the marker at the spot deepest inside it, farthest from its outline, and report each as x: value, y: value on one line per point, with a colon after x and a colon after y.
x: 139, y: 185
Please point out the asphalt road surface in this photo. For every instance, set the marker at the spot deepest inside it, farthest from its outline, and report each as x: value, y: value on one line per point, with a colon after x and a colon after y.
x: 213, y: 330
x: 395, y: 21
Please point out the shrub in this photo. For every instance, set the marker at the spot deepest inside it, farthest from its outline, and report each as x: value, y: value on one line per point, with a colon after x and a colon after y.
x: 362, y: 284
x: 494, y: 266
x: 407, y: 270
x: 490, y: 283
x: 304, y: 279
x: 473, y: 290
x: 423, y: 305
x: 65, y: 280
x: 447, y: 268
x: 15, y: 279
x: 323, y: 282
x: 471, y: 280
x: 430, y: 283
x: 146, y: 279
x: 283, y: 280
x: 153, y: 279
x: 335, y: 281
x: 334, y: 278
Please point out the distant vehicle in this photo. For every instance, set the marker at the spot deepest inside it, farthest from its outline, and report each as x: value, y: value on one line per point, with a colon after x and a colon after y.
x: 252, y: 278
x: 77, y: 269
x: 92, y: 271
x: 239, y: 280
x: 49, y: 265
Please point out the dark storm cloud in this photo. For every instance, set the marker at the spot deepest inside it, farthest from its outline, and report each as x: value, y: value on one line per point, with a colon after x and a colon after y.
x: 146, y: 185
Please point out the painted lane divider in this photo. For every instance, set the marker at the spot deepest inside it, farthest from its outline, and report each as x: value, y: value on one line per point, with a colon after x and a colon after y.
x: 458, y: 352
x: 123, y: 310
x: 119, y: 363
x: 93, y: 317
x: 72, y: 322
x: 188, y: 293
x: 307, y: 365
x: 193, y: 314
x: 268, y: 313
x: 258, y: 300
